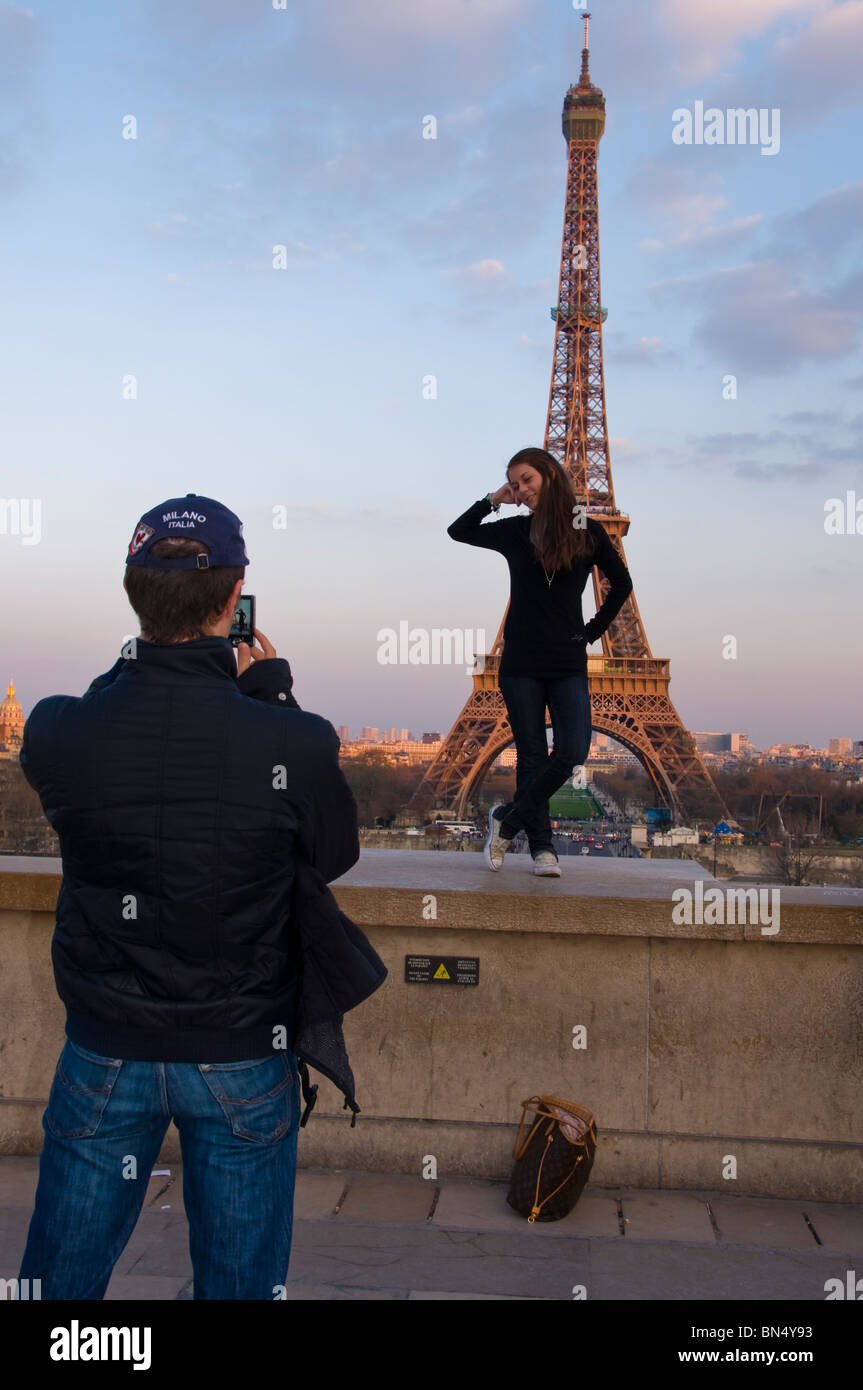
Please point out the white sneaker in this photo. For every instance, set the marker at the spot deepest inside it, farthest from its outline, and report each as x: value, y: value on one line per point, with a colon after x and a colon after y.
x: 496, y: 845
x: 545, y: 864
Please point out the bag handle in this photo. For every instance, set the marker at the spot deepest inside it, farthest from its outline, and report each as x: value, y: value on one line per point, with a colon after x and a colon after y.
x: 538, y: 1104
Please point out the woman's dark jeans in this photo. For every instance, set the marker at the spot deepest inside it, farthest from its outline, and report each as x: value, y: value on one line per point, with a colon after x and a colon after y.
x: 539, y: 773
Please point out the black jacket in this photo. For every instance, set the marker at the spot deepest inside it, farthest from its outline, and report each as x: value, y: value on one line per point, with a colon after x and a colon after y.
x: 184, y: 798
x: 339, y: 968
x: 545, y: 634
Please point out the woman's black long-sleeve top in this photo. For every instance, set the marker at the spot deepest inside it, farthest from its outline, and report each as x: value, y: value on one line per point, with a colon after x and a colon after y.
x: 544, y: 634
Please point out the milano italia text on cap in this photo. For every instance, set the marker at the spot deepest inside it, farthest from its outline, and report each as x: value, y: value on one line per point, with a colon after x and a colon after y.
x: 193, y: 518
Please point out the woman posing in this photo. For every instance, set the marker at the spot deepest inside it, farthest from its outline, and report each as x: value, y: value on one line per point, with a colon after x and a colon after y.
x: 544, y: 662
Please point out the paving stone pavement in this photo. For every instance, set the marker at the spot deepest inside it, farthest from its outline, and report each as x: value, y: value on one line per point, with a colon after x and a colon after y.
x: 392, y: 1237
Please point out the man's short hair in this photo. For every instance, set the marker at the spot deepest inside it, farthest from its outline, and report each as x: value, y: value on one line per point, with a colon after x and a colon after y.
x: 173, y: 605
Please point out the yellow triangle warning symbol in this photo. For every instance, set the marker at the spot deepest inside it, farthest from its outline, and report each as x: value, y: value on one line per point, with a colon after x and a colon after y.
x: 441, y: 973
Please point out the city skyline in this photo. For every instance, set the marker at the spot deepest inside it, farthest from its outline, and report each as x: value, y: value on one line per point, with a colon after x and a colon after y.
x: 377, y: 733
x: 299, y: 396
x: 838, y: 746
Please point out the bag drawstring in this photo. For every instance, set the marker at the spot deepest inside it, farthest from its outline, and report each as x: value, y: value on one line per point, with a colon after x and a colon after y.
x: 536, y: 1209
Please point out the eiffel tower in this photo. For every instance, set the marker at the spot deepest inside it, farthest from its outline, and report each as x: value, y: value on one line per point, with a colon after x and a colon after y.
x: 628, y: 685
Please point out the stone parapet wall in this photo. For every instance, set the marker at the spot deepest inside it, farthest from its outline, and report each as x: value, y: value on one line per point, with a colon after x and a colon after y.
x: 707, y: 1048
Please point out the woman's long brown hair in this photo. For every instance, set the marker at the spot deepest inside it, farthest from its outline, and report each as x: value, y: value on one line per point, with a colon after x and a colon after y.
x: 557, y: 542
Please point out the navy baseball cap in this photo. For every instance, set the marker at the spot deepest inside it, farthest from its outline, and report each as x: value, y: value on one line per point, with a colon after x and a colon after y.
x: 191, y: 518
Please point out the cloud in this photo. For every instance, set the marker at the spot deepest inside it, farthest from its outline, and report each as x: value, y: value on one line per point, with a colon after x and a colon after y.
x: 797, y: 296
x: 169, y: 228
x: 795, y: 471
x: 741, y: 441
x: 375, y: 45
x: 706, y: 36
x: 489, y: 273
x: 647, y: 352
x: 676, y: 193
x: 486, y: 271
x: 809, y: 417
x: 656, y: 49
x: 706, y: 239
x: 621, y: 447
x: 22, y: 46
x: 320, y: 109
x: 455, y: 38
x: 759, y: 317
x: 732, y: 460
x: 808, y: 65
x: 208, y: 22
x: 327, y: 512
x: 687, y: 205
x: 470, y: 116
x: 820, y: 64
x: 828, y: 226
x: 816, y: 440
x: 22, y: 124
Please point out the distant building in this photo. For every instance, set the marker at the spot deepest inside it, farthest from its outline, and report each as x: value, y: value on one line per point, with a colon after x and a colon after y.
x: 837, y: 747
x: 407, y: 752
x: 722, y: 743
x: 344, y: 733
x: 788, y: 753
x: 370, y: 735
x: 11, y: 725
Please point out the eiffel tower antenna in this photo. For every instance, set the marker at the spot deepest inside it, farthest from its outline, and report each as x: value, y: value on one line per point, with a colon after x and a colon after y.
x: 628, y: 685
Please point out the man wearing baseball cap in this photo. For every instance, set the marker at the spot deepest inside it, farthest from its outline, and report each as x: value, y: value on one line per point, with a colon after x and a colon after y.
x: 185, y: 787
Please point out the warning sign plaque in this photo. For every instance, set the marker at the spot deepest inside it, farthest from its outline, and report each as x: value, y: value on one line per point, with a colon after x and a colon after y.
x: 442, y: 970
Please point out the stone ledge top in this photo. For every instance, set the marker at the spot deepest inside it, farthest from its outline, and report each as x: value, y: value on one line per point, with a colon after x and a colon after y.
x: 581, y: 876
x: 593, y: 896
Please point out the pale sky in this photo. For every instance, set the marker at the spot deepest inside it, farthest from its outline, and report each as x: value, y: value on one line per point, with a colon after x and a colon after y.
x: 406, y: 257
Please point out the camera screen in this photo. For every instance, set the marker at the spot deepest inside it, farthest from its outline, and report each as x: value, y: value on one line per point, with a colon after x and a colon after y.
x: 244, y: 618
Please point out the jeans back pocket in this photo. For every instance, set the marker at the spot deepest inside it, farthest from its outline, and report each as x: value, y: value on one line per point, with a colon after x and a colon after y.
x: 257, y: 1097
x: 82, y: 1086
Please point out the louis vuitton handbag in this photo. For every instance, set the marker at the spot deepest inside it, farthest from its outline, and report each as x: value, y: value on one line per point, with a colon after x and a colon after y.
x: 553, y: 1163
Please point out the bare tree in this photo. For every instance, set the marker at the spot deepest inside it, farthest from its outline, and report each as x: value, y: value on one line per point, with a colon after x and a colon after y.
x: 799, y: 856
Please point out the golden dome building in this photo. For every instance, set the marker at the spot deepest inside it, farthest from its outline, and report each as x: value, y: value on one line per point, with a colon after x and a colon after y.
x: 11, y: 725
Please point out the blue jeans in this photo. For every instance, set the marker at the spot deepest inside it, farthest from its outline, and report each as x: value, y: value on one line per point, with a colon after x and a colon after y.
x: 104, y: 1126
x: 539, y: 773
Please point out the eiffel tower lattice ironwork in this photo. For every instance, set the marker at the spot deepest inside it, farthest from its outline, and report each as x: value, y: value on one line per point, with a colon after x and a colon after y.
x: 628, y: 686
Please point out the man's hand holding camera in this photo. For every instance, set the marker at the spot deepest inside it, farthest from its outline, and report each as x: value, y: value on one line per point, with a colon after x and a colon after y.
x: 247, y: 654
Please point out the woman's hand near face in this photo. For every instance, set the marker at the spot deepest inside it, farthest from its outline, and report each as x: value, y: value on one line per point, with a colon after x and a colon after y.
x: 503, y: 494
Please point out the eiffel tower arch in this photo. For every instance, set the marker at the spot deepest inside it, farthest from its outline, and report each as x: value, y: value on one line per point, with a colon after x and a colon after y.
x: 629, y: 702
x: 629, y: 694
